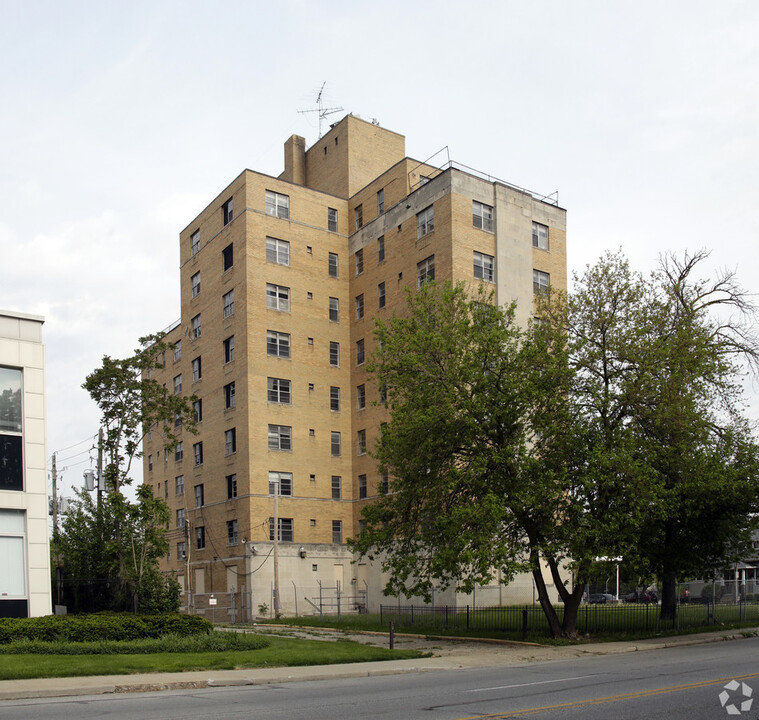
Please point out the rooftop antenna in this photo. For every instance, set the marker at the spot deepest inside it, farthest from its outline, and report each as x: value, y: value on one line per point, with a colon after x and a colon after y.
x: 323, y: 112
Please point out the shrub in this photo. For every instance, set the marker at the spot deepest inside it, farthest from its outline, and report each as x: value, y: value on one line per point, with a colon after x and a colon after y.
x: 101, y: 626
x: 213, y: 642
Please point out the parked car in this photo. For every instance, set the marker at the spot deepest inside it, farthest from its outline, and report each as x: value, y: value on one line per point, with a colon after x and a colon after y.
x: 600, y: 598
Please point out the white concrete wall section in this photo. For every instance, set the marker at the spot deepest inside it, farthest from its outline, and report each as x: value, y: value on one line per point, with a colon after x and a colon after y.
x: 21, y: 347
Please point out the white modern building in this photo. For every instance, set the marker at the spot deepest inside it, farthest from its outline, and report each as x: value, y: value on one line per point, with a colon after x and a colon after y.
x: 24, y: 547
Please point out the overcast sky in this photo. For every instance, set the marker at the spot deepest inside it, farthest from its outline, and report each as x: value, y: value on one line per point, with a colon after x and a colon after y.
x: 121, y: 121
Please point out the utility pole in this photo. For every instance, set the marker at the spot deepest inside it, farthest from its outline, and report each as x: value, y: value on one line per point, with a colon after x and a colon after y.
x: 187, y: 566
x: 276, y: 548
x: 55, y: 500
x: 100, y: 465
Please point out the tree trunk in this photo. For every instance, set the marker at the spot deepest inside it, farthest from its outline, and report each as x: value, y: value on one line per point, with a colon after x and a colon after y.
x: 571, y: 600
x: 668, y: 597
x: 554, y: 625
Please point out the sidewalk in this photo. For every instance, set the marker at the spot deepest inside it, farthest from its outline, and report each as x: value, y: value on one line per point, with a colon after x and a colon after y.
x: 451, y: 654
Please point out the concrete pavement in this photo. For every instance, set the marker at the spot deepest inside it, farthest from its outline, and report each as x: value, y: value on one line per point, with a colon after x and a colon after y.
x: 450, y: 654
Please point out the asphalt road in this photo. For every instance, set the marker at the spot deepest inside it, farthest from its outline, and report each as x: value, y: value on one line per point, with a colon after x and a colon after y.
x: 671, y: 683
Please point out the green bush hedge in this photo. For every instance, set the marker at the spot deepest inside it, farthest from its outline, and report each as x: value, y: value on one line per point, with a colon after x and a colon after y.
x: 213, y: 642
x: 101, y: 626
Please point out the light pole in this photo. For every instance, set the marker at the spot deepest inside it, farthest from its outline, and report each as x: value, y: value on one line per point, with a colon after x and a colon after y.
x: 276, y: 546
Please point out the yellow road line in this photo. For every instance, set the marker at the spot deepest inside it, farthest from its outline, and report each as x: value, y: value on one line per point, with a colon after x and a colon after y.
x: 612, y: 698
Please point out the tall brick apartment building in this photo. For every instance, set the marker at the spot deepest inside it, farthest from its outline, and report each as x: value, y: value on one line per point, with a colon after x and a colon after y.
x: 281, y: 280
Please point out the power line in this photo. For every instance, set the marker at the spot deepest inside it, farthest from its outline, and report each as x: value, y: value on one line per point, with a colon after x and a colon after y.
x: 88, y: 439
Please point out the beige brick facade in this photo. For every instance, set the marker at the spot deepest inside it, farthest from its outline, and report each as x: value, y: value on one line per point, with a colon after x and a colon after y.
x: 284, y: 310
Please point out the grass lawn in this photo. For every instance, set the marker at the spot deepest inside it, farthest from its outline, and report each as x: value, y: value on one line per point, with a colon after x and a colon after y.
x: 282, y: 652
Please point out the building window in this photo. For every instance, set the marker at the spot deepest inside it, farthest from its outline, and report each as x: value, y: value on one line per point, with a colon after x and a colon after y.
x: 359, y: 262
x: 150, y: 465
x: 229, y: 349
x: 359, y: 306
x: 228, y: 303
x: 177, y: 350
x: 381, y: 249
x: 277, y: 205
x: 334, y: 398
x: 361, y: 397
x: 197, y: 408
x: 231, y: 532
x: 231, y: 487
x: 335, y: 443
x: 227, y: 257
x: 280, y: 437
x: 380, y: 201
x: 483, y: 266
x: 199, y: 496
x: 180, y: 518
x: 333, y: 265
x: 197, y: 451
x: 337, y: 487
x: 334, y: 354
x: 361, y: 486
x: 229, y: 396
x: 195, y: 242
x: 178, y: 384
x: 334, y: 309
x: 277, y: 251
x: 227, y: 212
x: 200, y: 538
x: 277, y: 297
x: 195, y: 327
x: 382, y: 392
x: 337, y: 531
x: 425, y: 270
x: 197, y: 369
x: 385, y: 483
x: 361, y: 442
x: 230, y: 441
x: 540, y: 282
x: 195, y: 283
x: 360, y: 355
x: 381, y: 292
x: 278, y: 390
x: 332, y: 219
x: 359, y: 216
x: 285, y: 529
x: 181, y: 551
x: 277, y: 344
x: 179, y: 485
x: 425, y: 221
x: 285, y: 482
x: 482, y: 216
x: 179, y: 451
x: 539, y: 236
x: 177, y: 420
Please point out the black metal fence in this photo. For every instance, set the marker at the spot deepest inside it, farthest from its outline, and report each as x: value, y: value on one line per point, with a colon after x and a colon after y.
x: 523, y: 622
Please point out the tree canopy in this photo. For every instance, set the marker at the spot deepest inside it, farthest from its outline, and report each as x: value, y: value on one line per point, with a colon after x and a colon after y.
x: 611, y: 427
x: 116, y: 539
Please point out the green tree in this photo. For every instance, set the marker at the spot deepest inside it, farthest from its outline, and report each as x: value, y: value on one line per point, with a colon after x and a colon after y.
x: 653, y: 441
x: 467, y: 497
x: 121, y: 567
x: 611, y: 427
x: 118, y: 539
x: 131, y: 403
